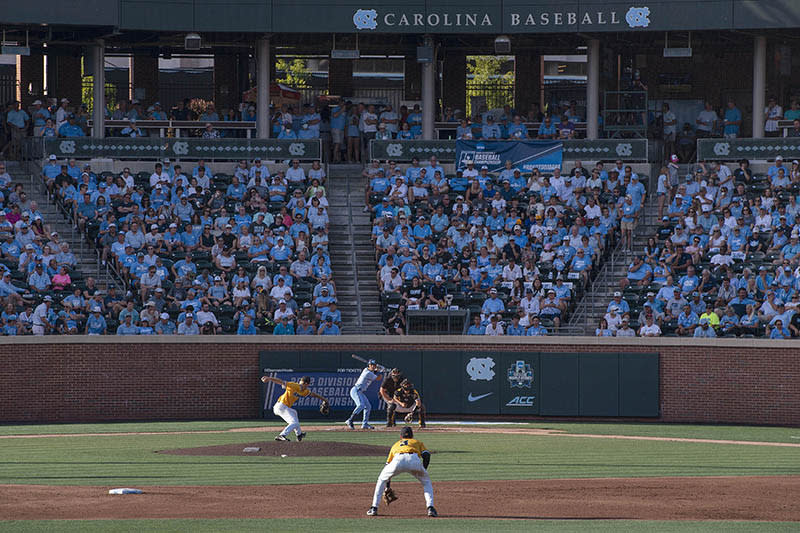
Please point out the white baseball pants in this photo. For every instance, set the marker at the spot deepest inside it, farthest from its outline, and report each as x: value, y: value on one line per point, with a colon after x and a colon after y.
x: 409, y: 463
x: 289, y: 415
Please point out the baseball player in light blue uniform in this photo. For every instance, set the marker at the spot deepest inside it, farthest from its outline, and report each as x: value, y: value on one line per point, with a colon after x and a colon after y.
x: 368, y: 375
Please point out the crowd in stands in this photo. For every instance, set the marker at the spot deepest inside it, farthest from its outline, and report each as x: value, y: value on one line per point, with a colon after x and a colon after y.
x: 725, y: 260
x: 198, y: 252
x: 517, y: 250
x: 508, y: 124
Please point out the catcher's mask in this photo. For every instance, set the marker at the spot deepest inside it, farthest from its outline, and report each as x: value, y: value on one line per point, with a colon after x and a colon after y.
x: 407, y: 433
x: 395, y: 372
x: 406, y: 384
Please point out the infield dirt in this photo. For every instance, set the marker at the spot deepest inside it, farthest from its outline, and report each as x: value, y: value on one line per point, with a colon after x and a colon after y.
x: 290, y: 449
x: 700, y: 498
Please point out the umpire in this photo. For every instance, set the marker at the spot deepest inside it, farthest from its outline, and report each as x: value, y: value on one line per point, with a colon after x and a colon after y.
x: 387, y: 390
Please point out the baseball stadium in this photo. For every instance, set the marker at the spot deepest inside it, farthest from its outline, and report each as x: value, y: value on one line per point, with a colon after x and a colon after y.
x: 193, y: 193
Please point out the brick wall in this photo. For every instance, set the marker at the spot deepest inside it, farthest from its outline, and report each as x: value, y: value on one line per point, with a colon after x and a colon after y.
x: 753, y: 382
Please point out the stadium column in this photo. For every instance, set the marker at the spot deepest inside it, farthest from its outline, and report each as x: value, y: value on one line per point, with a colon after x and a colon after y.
x: 454, y: 78
x: 262, y: 73
x: 143, y: 77
x: 98, y: 58
x: 30, y: 73
x: 225, y: 81
x: 429, y: 91
x: 64, y: 76
x: 527, y: 81
x: 340, y: 77
x: 759, y: 84
x: 592, y: 88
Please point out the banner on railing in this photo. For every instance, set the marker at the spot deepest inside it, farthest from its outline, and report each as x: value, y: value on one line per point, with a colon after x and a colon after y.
x: 524, y: 155
x: 177, y: 148
x: 735, y: 149
x: 573, y: 149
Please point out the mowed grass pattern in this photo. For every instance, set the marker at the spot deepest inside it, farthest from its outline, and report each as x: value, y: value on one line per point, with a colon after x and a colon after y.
x: 245, y: 526
x: 131, y: 459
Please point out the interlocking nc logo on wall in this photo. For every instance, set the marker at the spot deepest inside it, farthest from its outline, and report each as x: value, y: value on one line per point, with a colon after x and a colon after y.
x: 638, y: 17
x: 480, y: 369
x: 365, y: 19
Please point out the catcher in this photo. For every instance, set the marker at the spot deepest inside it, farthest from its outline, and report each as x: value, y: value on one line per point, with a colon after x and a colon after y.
x: 406, y: 400
x: 389, y: 386
x: 283, y: 407
x: 407, y: 455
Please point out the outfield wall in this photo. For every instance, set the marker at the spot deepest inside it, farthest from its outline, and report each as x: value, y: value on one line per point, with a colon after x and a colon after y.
x: 83, y: 379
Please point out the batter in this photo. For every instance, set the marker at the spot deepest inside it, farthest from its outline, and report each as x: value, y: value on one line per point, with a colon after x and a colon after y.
x: 368, y: 375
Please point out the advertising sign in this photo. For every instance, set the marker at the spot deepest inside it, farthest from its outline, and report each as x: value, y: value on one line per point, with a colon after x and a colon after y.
x: 524, y: 155
x: 519, y: 384
x: 335, y: 386
x: 481, y: 376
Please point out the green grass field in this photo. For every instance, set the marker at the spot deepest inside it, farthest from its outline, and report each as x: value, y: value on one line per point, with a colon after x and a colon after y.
x: 129, y: 460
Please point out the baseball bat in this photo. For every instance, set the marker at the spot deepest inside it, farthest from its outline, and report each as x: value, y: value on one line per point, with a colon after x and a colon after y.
x: 359, y: 358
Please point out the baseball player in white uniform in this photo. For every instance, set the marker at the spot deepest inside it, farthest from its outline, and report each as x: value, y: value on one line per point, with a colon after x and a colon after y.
x: 368, y: 375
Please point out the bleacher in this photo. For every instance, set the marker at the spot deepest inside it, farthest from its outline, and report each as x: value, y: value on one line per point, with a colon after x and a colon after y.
x: 541, y: 260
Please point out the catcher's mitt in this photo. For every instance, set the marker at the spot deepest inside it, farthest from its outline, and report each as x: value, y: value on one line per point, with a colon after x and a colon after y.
x: 409, y: 417
x: 325, y: 408
x: 388, y: 495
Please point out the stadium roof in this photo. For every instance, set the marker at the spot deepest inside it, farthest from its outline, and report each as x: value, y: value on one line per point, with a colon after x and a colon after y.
x: 397, y: 16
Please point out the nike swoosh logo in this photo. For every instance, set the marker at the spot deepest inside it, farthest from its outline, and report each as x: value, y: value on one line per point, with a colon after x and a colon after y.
x: 476, y: 398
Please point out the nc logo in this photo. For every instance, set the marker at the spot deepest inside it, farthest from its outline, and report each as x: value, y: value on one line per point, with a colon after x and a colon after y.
x: 67, y: 147
x: 624, y: 149
x: 364, y: 19
x: 638, y: 17
x: 394, y: 149
x: 722, y: 148
x: 297, y: 149
x: 480, y: 368
x: 180, y: 148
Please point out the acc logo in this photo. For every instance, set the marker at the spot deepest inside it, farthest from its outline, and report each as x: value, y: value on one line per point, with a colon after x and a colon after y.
x: 624, y: 149
x: 180, y: 148
x: 364, y: 19
x: 297, y: 149
x: 638, y: 17
x: 520, y: 375
x: 521, y: 401
x: 394, y: 149
x: 67, y: 147
x: 480, y: 369
x: 722, y: 148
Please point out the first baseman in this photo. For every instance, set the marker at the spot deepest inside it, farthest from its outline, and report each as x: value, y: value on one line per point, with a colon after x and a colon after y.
x: 283, y: 407
x: 368, y: 375
x: 407, y: 455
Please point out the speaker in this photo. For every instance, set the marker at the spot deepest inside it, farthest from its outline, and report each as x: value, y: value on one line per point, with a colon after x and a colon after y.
x: 192, y: 41
x: 502, y: 45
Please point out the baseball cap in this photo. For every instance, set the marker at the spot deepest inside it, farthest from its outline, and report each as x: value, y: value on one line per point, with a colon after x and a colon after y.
x: 52, y: 157
x: 493, y: 291
x: 484, y: 167
x: 48, y: 298
x: 371, y: 361
x: 617, y: 293
x: 778, y: 157
x: 674, y: 158
x: 438, y: 278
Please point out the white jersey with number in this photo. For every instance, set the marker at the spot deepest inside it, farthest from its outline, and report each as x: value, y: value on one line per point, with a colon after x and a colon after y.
x: 365, y: 379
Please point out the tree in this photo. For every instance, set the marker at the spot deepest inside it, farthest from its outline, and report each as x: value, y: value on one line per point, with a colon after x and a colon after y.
x: 490, y: 78
x: 296, y: 73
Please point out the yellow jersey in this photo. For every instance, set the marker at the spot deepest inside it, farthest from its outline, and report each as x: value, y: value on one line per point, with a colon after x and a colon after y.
x: 293, y: 390
x: 406, y: 446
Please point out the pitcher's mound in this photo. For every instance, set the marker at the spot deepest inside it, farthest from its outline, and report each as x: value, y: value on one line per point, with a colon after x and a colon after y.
x: 290, y: 449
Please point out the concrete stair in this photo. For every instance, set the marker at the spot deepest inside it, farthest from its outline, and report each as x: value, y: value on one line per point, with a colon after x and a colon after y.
x: 88, y: 262
x: 595, y: 301
x: 352, y: 252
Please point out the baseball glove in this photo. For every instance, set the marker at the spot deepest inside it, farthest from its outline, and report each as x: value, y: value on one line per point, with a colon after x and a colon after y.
x: 325, y: 408
x: 388, y: 495
x: 409, y: 417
